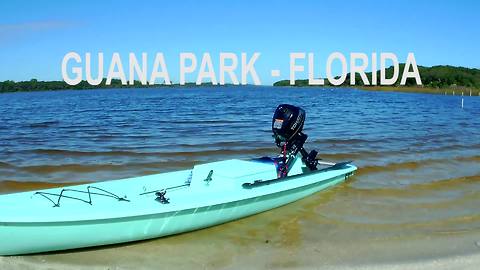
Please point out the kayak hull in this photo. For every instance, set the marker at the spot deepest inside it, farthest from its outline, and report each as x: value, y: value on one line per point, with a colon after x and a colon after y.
x: 34, y: 237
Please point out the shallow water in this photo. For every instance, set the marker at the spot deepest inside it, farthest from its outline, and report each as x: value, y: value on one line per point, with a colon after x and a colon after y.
x: 418, y: 183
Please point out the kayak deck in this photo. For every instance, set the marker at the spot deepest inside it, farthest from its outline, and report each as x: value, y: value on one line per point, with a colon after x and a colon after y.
x: 129, y: 209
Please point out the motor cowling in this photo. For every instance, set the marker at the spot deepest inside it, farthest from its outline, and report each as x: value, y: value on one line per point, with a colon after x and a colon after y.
x: 287, y: 126
x: 287, y: 123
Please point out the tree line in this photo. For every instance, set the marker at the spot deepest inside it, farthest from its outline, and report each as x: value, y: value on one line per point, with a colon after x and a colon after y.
x: 432, y: 77
x: 35, y: 85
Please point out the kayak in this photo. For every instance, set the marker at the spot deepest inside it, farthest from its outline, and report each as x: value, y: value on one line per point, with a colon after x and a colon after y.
x: 153, y: 206
x: 157, y: 205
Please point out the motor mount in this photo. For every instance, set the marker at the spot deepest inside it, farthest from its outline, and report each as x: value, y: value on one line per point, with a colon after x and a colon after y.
x: 287, y: 126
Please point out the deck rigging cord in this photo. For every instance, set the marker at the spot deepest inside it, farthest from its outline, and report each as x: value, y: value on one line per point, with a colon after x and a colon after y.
x: 164, y: 189
x: 89, y: 192
x: 160, y: 193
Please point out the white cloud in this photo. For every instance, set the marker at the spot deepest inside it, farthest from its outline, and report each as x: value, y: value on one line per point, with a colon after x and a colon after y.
x: 13, y: 31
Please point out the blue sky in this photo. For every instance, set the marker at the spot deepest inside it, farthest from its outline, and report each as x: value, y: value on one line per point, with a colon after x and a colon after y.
x: 35, y: 35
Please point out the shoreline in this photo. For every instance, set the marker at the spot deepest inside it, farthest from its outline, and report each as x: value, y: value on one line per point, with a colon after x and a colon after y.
x: 399, y: 89
x: 422, y: 90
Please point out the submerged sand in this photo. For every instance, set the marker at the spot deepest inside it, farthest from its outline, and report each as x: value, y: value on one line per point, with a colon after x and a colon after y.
x: 303, y: 235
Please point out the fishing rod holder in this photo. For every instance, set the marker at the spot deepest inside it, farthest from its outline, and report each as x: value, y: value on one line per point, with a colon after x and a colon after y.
x: 160, y: 197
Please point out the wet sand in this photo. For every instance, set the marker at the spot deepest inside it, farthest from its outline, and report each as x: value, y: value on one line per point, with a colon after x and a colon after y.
x: 262, y: 257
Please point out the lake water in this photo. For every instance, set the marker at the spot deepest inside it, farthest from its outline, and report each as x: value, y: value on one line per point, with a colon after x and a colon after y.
x: 418, y: 155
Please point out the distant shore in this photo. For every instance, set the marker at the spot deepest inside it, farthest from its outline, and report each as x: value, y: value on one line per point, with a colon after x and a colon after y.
x: 34, y: 85
x: 443, y: 80
x: 425, y: 90
x: 37, y: 86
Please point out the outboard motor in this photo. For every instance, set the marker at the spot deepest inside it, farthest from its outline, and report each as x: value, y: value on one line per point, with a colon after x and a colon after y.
x: 287, y: 126
x: 287, y: 123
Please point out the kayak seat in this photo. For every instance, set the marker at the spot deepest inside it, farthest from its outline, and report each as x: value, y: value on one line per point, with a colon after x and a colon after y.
x: 270, y: 160
x: 296, y: 168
